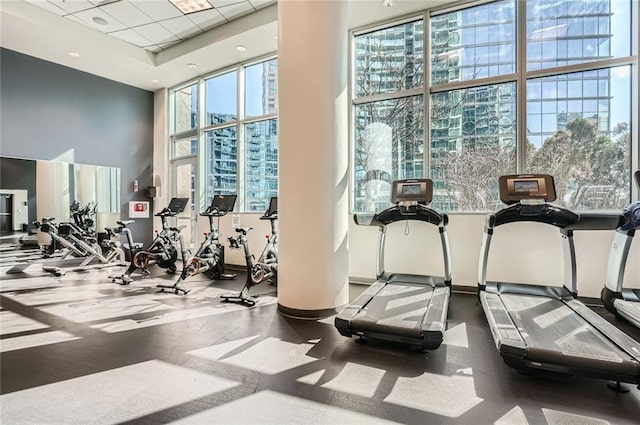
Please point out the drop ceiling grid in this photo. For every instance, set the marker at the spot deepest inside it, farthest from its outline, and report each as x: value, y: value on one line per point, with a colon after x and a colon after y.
x: 153, y: 25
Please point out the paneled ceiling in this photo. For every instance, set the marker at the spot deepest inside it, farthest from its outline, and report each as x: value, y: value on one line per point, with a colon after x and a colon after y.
x: 151, y: 24
x: 150, y: 44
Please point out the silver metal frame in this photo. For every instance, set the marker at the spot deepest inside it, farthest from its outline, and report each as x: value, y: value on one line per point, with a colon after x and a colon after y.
x: 569, y: 255
x: 444, y: 240
x: 618, y: 260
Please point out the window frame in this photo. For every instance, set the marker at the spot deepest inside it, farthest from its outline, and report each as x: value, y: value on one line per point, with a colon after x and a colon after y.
x: 519, y: 77
x: 200, y: 131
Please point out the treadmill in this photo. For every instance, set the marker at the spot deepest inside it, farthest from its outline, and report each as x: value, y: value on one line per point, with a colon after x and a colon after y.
x: 405, y: 308
x: 538, y: 327
x: 623, y: 302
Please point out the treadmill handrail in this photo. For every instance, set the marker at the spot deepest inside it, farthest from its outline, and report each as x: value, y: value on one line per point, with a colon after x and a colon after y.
x: 597, y: 221
x: 546, y: 213
x: 413, y: 212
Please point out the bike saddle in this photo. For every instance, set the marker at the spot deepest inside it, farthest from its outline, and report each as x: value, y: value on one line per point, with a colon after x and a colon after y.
x: 243, y: 230
x: 125, y: 222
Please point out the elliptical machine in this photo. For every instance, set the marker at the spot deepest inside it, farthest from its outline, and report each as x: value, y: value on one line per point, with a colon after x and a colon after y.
x: 162, y: 250
x: 266, y: 268
x: 209, y: 259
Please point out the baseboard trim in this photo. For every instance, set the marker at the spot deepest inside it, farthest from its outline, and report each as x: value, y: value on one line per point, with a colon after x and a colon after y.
x: 295, y: 313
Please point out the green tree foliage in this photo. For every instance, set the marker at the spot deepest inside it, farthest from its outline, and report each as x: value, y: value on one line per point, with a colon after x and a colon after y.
x: 590, y: 170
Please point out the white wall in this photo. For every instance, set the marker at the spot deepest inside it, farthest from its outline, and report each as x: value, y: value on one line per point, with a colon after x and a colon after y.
x: 522, y: 252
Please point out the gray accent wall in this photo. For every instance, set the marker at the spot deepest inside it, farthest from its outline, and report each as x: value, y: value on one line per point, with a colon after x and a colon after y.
x: 49, y: 111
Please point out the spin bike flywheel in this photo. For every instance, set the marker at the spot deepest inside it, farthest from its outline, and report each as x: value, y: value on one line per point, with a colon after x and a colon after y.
x: 167, y: 261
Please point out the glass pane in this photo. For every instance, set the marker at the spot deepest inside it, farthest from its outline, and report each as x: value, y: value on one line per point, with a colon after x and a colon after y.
x: 389, y: 145
x: 472, y: 43
x: 221, y: 94
x: 389, y: 60
x: 566, y: 32
x: 185, y: 185
x: 221, y: 162
x: 473, y: 139
x: 261, y: 150
x: 185, y: 109
x: 185, y: 147
x: 586, y: 144
x: 261, y: 88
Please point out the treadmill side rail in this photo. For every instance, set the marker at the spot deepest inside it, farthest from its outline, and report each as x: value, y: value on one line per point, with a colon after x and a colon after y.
x: 435, y: 318
x: 621, y: 339
x: 505, y: 332
x: 630, y: 310
x: 344, y: 318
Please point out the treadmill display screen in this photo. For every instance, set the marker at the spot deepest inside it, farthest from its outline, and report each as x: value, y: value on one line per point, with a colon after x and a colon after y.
x: 525, y: 186
x: 411, y: 189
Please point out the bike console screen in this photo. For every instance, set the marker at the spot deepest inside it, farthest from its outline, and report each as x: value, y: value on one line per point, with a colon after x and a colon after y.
x: 177, y: 205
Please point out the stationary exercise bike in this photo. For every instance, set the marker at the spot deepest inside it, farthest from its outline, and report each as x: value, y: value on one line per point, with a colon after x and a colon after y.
x: 163, y: 250
x: 266, y: 268
x: 209, y: 259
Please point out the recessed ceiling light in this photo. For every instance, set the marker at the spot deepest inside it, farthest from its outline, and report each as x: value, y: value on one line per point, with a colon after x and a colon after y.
x: 191, y: 6
x: 74, y: 54
x: 155, y: 81
x: 100, y: 21
x: 192, y: 65
x: 240, y: 48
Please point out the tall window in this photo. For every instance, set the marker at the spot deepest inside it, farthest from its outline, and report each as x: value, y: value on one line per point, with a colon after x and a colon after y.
x: 388, y: 111
x: 237, y: 126
x: 553, y: 97
x: 260, y: 135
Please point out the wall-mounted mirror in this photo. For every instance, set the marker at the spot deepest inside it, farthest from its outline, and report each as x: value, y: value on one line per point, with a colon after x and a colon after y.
x: 33, y: 189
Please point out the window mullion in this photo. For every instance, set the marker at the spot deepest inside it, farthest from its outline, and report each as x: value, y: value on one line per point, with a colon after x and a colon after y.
x: 426, y: 98
x: 241, y: 170
x: 521, y: 86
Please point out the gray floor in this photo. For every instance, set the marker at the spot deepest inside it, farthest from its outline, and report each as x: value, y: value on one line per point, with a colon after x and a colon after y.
x: 80, y: 349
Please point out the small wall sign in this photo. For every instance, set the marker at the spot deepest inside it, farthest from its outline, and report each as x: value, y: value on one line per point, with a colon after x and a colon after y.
x: 138, y: 209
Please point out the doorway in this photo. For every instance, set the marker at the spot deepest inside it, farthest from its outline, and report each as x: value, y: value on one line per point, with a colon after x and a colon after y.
x: 6, y: 213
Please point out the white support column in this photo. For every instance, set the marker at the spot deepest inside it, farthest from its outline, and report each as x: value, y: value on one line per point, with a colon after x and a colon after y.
x: 313, y: 262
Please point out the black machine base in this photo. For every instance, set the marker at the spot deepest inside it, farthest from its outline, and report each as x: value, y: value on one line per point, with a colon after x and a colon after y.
x: 241, y: 298
x: 175, y: 288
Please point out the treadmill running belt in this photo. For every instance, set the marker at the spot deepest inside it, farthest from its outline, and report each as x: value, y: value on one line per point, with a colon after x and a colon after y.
x: 399, y: 307
x: 550, y: 325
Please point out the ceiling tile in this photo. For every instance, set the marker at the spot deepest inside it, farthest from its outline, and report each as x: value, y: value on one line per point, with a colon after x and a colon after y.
x: 49, y: 6
x: 127, y: 13
x: 222, y: 3
x: 181, y: 27
x: 259, y: 4
x: 86, y: 16
x: 103, y: 2
x: 132, y: 37
x: 157, y: 9
x: 155, y: 33
x: 72, y: 6
x: 207, y: 19
x: 235, y: 10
